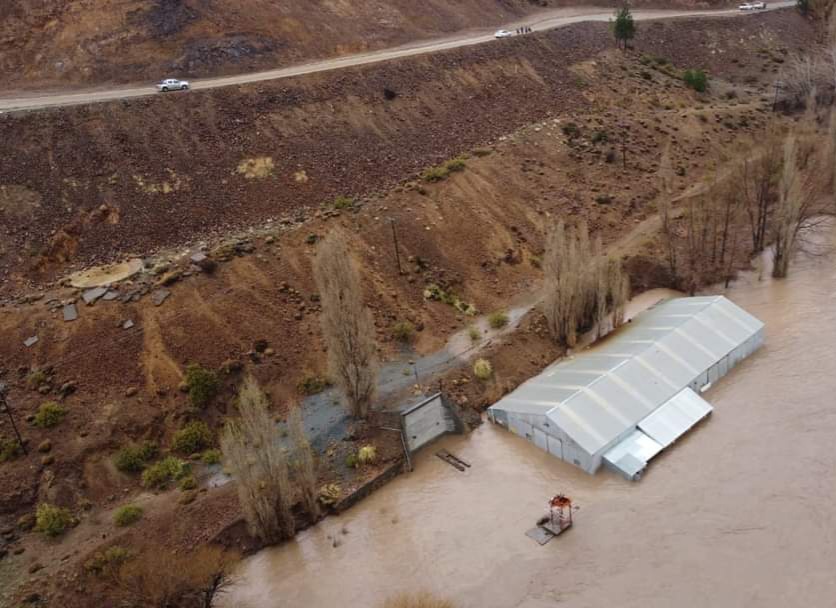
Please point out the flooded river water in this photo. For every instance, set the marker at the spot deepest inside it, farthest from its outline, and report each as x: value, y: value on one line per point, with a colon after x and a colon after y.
x: 740, y: 512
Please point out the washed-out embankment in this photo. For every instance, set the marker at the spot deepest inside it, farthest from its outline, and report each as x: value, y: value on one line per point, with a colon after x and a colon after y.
x: 89, y: 184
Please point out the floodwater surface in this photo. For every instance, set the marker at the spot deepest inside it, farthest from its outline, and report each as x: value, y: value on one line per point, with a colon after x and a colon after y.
x: 740, y: 512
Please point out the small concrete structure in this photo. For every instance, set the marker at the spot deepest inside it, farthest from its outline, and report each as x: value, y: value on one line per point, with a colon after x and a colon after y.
x: 425, y: 421
x: 623, y: 401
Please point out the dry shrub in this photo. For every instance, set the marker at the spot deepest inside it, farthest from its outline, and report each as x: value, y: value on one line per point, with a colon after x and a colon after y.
x: 583, y: 287
x: 347, y: 325
x: 161, y: 579
x: 253, y: 454
x: 304, y: 464
x: 482, y: 369
x: 417, y: 600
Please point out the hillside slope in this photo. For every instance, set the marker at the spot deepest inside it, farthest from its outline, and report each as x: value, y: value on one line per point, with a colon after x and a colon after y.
x: 54, y: 42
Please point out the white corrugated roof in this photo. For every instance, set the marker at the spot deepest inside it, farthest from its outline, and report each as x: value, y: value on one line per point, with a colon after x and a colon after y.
x: 672, y: 420
x: 601, y: 393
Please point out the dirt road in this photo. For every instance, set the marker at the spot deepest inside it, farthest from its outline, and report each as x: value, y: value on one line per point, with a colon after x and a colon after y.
x: 543, y: 21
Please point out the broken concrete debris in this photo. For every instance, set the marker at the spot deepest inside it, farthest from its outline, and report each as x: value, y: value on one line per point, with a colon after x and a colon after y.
x: 30, y: 341
x: 70, y: 313
x: 91, y: 295
x: 160, y: 296
x: 127, y: 324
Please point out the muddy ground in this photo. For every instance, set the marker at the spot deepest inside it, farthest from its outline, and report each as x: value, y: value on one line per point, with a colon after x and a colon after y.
x: 50, y: 43
x: 542, y: 130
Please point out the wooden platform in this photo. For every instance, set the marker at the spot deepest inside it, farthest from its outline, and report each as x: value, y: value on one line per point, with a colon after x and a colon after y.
x: 453, y: 460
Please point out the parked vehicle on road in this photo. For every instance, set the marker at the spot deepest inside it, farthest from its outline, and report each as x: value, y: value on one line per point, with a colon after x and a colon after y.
x: 746, y: 6
x: 172, y: 84
x: 503, y: 34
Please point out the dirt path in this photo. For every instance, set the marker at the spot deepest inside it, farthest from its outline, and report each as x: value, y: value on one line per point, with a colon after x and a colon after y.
x: 544, y: 21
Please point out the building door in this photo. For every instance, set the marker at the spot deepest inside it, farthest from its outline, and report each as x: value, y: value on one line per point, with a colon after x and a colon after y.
x: 540, y: 439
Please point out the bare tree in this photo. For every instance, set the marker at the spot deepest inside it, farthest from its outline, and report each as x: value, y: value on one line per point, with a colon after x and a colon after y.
x: 160, y: 579
x: 252, y: 450
x: 347, y: 325
x: 304, y: 463
x: 760, y: 180
x: 583, y: 287
x: 666, y: 174
x: 797, y: 211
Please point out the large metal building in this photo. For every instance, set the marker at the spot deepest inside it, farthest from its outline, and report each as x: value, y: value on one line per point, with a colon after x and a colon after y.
x: 623, y: 401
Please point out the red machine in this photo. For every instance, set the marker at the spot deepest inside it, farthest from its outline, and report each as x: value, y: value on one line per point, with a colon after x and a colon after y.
x: 559, y: 518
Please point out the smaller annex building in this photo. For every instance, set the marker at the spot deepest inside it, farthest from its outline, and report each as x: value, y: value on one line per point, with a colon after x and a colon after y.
x: 621, y: 402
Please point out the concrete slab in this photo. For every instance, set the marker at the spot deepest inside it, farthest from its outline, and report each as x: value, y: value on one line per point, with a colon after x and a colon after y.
x: 540, y: 535
x: 110, y: 295
x: 30, y: 341
x: 160, y: 296
x: 91, y: 295
x: 70, y: 313
x: 105, y: 275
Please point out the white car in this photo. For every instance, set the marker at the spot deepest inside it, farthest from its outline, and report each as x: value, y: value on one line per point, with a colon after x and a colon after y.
x: 172, y: 84
x: 746, y: 6
x: 503, y: 34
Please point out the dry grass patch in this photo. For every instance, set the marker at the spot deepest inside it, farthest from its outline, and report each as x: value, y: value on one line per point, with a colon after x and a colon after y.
x: 257, y: 168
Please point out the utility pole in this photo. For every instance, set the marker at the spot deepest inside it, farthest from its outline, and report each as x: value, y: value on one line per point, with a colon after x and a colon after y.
x: 624, y: 146
x: 4, y: 404
x: 397, y: 248
x: 777, y: 88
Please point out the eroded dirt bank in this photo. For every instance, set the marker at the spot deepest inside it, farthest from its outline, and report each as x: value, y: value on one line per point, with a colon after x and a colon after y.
x: 91, y: 183
x: 722, y: 518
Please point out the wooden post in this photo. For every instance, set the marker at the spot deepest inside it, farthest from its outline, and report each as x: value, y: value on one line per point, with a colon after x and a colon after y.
x: 8, y: 409
x: 397, y: 248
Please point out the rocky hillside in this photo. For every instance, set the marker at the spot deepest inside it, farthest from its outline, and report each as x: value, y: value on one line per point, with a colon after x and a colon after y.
x: 55, y: 42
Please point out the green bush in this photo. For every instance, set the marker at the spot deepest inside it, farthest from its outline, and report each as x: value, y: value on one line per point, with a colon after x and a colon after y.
x: 133, y: 458
x: 571, y: 130
x: 600, y: 137
x: 367, y: 454
x: 9, y: 449
x: 127, y: 515
x: 49, y: 414
x: 192, y: 438
x: 435, y: 174
x: 188, y: 483
x: 202, y: 385
x: 482, y: 369
x: 696, y: 79
x: 455, y: 165
x: 351, y: 461
x: 343, y: 202
x: 161, y: 473
x: 403, y: 331
x: 312, y: 384
x: 474, y: 333
x: 211, y: 457
x: 498, y: 319
x: 107, y: 561
x: 442, y: 172
x: 36, y: 378
x: 51, y: 520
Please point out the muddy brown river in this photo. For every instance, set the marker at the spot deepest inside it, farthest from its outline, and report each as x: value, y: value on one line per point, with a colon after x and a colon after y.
x: 740, y: 512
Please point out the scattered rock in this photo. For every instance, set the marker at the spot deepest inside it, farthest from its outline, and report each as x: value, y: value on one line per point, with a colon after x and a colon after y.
x: 70, y: 313
x: 47, y: 460
x: 132, y: 391
x: 127, y: 324
x: 160, y: 296
x: 91, y: 295
x: 45, y: 446
x: 30, y: 341
x: 26, y: 522
x: 110, y: 295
